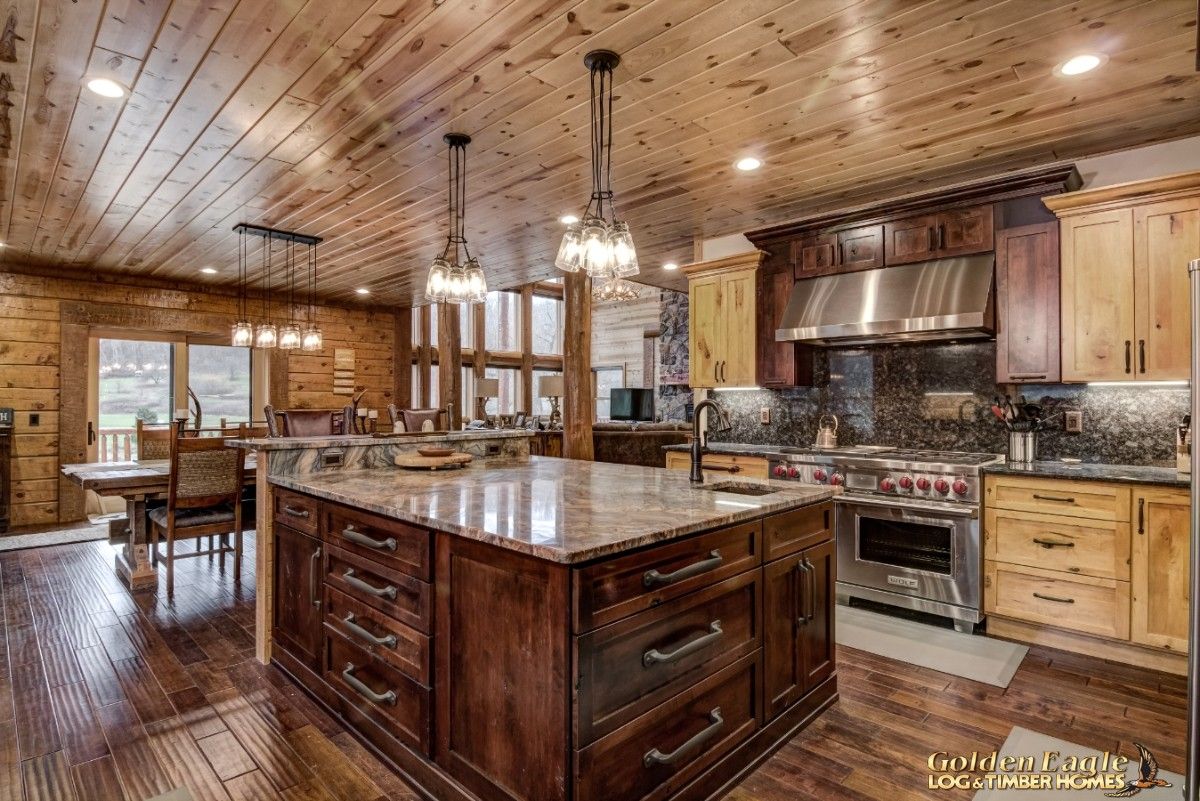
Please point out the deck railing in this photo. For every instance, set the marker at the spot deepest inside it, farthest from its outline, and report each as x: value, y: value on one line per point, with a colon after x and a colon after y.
x: 117, y: 444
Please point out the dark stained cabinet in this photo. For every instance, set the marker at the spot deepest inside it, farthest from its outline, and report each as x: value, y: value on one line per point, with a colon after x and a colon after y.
x: 815, y: 255
x: 840, y: 252
x: 778, y: 364
x: 911, y: 239
x: 1027, y: 308
x: 298, y: 572
x: 956, y: 232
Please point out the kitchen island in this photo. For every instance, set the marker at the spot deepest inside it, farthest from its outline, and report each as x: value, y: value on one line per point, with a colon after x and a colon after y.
x: 539, y: 628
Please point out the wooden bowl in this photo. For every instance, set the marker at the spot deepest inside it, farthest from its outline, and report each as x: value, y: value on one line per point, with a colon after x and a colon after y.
x: 432, y: 451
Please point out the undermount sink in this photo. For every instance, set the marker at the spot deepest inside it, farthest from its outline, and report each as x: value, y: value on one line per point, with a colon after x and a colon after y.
x: 738, y: 488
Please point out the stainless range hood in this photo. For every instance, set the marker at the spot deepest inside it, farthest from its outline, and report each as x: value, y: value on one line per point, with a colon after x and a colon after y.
x: 931, y: 300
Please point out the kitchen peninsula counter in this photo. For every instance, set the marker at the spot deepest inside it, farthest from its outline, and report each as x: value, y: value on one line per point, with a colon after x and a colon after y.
x: 539, y: 628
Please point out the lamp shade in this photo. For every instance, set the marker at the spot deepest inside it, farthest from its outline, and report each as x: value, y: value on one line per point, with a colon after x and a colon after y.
x: 550, y: 386
x: 487, y: 388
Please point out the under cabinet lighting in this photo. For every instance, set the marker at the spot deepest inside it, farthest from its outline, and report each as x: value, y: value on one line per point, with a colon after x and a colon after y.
x: 1138, y: 383
x: 736, y: 389
x: 106, y: 87
x: 1077, y: 65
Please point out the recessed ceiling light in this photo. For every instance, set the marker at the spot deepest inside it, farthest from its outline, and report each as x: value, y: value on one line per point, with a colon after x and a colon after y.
x: 568, y: 219
x: 106, y: 87
x: 748, y: 163
x: 209, y: 270
x: 1077, y: 65
x: 670, y: 266
x: 362, y: 290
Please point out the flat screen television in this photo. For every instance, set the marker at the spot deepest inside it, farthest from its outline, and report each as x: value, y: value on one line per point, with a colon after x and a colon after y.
x: 631, y: 404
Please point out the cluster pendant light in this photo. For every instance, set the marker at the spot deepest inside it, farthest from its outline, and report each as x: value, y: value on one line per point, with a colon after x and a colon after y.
x: 455, y: 276
x: 290, y: 335
x: 600, y: 244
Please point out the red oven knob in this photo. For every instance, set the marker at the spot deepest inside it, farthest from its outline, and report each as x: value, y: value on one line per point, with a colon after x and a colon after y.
x: 887, y: 485
x: 780, y: 471
x: 923, y: 484
x: 906, y: 482
x: 819, y: 475
x: 942, y: 486
x: 793, y: 472
x: 960, y: 487
x: 837, y: 480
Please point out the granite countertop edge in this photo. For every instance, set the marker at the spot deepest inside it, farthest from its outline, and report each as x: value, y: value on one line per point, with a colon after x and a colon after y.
x: 1079, y: 471
x: 344, y: 441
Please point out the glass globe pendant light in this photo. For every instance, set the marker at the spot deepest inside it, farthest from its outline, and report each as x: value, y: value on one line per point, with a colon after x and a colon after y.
x: 599, y: 244
x: 242, y: 332
x: 289, y: 332
x: 452, y: 279
x: 266, y: 335
x: 312, y: 339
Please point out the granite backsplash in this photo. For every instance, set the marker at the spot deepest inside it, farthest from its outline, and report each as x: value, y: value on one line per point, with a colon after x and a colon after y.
x: 939, y: 397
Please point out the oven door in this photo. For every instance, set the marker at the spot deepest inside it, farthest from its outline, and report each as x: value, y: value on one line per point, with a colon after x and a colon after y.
x: 910, y: 547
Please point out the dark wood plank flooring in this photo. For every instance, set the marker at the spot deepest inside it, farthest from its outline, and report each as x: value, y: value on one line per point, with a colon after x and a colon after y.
x: 107, y: 695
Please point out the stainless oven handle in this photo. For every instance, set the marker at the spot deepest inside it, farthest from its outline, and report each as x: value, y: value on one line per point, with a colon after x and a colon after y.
x: 909, y: 504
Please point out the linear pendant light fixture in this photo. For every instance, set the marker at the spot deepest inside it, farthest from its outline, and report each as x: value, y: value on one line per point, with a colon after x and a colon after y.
x: 451, y: 280
x: 600, y: 247
x: 265, y: 334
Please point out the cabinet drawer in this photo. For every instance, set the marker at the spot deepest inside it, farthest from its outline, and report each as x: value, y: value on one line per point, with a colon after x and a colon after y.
x: 628, y: 667
x: 717, y: 463
x: 655, y: 755
x: 396, y: 594
x: 1080, y: 603
x: 380, y: 692
x: 617, y: 588
x: 792, y: 532
x: 404, y: 648
x: 403, y: 547
x: 1073, y: 498
x: 1052, y: 542
x: 301, y: 512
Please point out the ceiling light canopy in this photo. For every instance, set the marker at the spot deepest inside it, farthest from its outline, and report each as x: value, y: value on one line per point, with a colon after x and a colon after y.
x: 1077, y: 65
x: 600, y: 247
x: 455, y: 276
x: 106, y: 87
x: 748, y: 163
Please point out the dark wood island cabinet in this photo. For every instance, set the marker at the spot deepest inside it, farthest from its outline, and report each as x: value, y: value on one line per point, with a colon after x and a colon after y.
x: 665, y: 671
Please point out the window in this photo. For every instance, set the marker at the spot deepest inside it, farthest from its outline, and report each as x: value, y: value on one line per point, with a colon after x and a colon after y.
x: 605, y: 379
x: 541, y: 406
x: 510, y: 390
x: 220, y: 377
x: 433, y: 387
x: 503, y: 315
x: 466, y: 316
x: 136, y: 381
x: 547, y: 325
x: 468, y: 394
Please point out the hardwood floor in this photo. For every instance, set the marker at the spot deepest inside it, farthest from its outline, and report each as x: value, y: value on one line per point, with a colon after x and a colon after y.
x: 106, y: 695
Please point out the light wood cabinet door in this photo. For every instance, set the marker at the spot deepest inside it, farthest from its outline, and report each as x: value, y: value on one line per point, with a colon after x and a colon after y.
x: 1160, y: 569
x: 1098, y: 296
x: 1166, y: 236
x: 706, y: 330
x: 737, y: 361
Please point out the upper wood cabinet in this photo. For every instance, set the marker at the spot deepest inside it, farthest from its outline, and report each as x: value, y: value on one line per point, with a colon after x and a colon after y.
x: 838, y: 252
x: 1159, y: 570
x: 722, y: 322
x: 779, y: 364
x: 955, y: 232
x: 1027, y: 311
x: 1125, y: 296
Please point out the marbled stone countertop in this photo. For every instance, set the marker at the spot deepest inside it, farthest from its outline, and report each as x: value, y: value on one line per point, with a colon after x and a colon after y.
x: 301, y: 443
x: 1119, y: 473
x: 562, y: 510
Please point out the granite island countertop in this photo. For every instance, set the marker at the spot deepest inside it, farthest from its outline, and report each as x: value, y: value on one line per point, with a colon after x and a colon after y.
x: 1078, y: 471
x: 562, y: 510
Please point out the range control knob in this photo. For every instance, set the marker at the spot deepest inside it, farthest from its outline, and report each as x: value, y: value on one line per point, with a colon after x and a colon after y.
x: 942, y: 486
x: 780, y: 471
x: 793, y: 472
x: 820, y: 475
x: 923, y: 484
x: 960, y: 487
x: 887, y: 485
x: 837, y: 480
x: 906, y: 482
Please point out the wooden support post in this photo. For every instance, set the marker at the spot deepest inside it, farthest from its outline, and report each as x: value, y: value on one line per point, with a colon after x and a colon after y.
x: 450, y: 363
x: 425, y: 358
x: 480, y: 363
x: 402, y: 353
x: 527, y: 349
x: 578, y: 406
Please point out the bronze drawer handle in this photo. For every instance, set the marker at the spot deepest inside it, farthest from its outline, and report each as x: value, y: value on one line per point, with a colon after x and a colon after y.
x: 652, y: 578
x: 1029, y: 377
x: 1052, y: 598
x: 655, y: 757
x: 655, y: 656
x: 362, y: 539
x: 366, y: 692
x: 1037, y: 497
x: 388, y: 592
x: 1053, y: 543
x: 1128, y: 356
x: 1141, y: 515
x: 720, y: 468
x: 351, y: 624
x: 294, y: 512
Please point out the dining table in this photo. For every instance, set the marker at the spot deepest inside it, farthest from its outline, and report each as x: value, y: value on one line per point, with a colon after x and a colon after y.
x: 137, y: 482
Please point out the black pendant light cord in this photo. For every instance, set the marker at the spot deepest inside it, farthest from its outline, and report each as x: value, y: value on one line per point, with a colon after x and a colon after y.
x: 311, y: 273
x: 601, y: 128
x: 267, y: 273
x: 456, y: 202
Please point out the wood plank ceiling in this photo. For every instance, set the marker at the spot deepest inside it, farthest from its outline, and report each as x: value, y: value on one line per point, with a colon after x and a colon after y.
x: 327, y: 117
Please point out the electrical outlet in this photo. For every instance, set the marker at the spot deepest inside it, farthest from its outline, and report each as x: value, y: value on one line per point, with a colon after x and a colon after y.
x: 764, y: 415
x: 1073, y: 421
x: 35, y: 420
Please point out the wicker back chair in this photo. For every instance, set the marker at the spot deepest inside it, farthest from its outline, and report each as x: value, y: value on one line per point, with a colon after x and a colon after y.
x: 204, y: 498
x: 153, y: 441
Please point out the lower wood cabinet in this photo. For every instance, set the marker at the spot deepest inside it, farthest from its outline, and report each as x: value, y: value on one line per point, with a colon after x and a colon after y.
x: 715, y: 465
x: 299, y: 567
x: 1160, y: 568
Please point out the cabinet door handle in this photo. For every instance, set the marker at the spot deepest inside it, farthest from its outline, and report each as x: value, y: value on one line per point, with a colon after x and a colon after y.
x: 941, y: 236
x: 1054, y: 599
x: 1141, y: 515
x: 652, y: 578
x: 1128, y: 356
x: 1054, y: 498
x: 812, y: 590
x: 362, y: 539
x: 366, y: 692
x: 1027, y: 377
x: 296, y: 512
x: 388, y: 592
x: 312, y: 578
x: 802, y: 590
x: 655, y: 757
x: 655, y: 656
x: 1053, y: 543
x: 352, y: 624
x: 1142, y: 355
x: 716, y: 372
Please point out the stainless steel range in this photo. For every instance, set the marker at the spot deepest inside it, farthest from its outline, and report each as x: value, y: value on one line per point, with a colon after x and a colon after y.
x: 908, y: 530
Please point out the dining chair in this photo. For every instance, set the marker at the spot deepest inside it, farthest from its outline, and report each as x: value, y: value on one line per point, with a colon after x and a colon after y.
x: 204, y: 498
x: 153, y: 441
x: 311, y: 422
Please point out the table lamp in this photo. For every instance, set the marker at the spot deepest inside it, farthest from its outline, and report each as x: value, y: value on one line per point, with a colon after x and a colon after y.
x: 551, y: 386
x: 485, y: 389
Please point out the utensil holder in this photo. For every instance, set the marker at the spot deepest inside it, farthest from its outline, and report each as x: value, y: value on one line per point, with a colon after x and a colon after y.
x: 1022, y: 447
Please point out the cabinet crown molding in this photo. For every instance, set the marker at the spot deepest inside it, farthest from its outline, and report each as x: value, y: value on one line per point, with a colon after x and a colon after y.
x: 1164, y: 188
x: 728, y: 264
